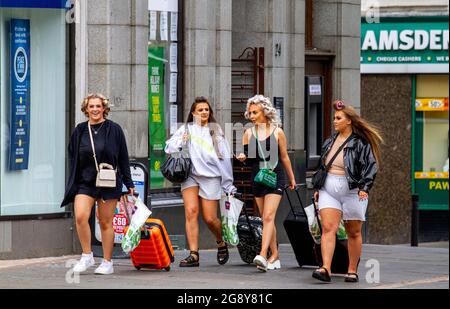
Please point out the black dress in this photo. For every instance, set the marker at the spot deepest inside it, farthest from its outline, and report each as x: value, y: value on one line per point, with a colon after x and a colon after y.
x: 110, y: 147
x: 257, y: 161
x: 87, y: 172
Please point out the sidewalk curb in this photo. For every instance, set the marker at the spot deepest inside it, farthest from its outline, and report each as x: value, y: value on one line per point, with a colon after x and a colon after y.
x: 27, y: 262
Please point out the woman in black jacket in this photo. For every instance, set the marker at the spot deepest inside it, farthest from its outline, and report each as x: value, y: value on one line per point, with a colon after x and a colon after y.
x: 351, y: 157
x: 110, y: 148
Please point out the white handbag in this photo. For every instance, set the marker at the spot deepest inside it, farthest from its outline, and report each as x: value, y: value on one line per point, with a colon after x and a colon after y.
x: 106, y: 174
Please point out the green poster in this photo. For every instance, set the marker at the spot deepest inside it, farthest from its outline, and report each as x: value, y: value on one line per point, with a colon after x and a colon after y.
x: 157, y: 125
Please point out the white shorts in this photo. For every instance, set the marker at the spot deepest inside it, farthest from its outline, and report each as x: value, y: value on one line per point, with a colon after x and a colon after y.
x: 210, y: 188
x: 336, y: 194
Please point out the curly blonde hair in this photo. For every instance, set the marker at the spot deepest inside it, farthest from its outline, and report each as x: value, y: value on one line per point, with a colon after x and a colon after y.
x: 269, y: 111
x: 91, y: 96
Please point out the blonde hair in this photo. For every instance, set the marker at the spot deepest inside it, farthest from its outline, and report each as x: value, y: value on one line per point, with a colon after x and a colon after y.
x: 91, y: 96
x: 269, y: 111
x: 362, y: 127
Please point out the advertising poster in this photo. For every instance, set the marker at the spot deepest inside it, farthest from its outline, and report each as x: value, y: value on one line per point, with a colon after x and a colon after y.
x: 20, y: 95
x: 156, y: 114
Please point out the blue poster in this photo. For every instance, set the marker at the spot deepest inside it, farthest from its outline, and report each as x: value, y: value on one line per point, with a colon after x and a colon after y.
x: 20, y: 94
x: 47, y: 4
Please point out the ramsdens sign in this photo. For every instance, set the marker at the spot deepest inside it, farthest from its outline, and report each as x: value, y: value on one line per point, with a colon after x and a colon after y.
x: 406, y: 40
x: 405, y: 46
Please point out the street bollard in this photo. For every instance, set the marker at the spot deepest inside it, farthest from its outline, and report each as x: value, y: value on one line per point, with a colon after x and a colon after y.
x: 415, y: 221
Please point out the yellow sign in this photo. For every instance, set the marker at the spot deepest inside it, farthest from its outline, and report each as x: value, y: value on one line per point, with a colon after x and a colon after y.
x: 432, y: 105
x: 438, y: 185
x: 431, y: 175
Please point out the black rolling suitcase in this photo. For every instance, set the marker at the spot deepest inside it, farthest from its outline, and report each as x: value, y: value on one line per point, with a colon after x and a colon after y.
x: 297, y: 230
x: 307, y: 252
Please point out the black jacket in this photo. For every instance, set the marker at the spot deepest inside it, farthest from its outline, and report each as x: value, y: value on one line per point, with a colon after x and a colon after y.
x: 115, y: 154
x: 360, y: 165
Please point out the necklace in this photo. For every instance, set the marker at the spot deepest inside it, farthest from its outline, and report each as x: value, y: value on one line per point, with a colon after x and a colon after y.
x: 96, y: 131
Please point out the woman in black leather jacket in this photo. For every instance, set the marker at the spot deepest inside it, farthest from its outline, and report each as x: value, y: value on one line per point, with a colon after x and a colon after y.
x: 351, y: 158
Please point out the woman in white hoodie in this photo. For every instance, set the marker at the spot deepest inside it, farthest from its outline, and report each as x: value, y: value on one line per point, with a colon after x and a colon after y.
x: 211, y: 173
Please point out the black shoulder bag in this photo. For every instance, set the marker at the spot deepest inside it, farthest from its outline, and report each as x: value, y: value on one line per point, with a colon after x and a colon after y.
x: 177, y: 167
x: 319, y: 177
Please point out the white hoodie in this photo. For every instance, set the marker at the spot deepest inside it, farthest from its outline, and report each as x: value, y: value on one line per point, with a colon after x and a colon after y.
x: 205, y: 162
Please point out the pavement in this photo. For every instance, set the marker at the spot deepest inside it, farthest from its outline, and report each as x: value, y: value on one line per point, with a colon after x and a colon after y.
x: 382, y: 267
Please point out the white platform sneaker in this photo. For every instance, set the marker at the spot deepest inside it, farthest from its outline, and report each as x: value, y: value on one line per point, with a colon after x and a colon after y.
x: 105, y: 268
x: 261, y: 263
x: 86, y: 261
x: 275, y: 265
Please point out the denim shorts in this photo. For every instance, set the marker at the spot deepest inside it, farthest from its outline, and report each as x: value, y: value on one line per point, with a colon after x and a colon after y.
x: 210, y: 188
x: 336, y: 194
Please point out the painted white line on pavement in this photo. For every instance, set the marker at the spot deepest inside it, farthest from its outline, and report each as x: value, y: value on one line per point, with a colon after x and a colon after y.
x: 26, y: 262
x: 410, y: 283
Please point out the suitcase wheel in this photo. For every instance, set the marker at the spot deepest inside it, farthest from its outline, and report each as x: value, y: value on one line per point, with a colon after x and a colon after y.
x: 167, y: 268
x: 137, y: 267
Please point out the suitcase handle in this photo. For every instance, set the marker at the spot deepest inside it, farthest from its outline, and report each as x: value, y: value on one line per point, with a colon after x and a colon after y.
x: 316, y: 213
x: 297, y: 187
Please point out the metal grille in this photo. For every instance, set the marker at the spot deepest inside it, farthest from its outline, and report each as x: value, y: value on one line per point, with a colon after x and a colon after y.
x: 247, y: 80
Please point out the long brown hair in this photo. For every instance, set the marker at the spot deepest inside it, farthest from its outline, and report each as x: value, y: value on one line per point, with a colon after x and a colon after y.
x: 215, y: 129
x: 362, y: 127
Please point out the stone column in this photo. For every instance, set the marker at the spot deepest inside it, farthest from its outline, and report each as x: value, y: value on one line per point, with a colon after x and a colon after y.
x: 118, y: 63
x: 337, y: 29
x: 271, y: 24
x: 208, y: 55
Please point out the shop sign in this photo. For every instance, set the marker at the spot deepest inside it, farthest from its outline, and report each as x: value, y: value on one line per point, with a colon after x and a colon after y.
x: 163, y: 5
x: 432, y: 105
x: 402, y: 45
x: 20, y: 71
x: 433, y: 193
x: 431, y: 175
x: 44, y: 4
x: 157, y: 123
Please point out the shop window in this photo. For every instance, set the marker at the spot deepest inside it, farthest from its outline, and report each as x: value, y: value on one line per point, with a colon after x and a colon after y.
x: 35, y: 184
x: 432, y: 141
x: 165, y: 107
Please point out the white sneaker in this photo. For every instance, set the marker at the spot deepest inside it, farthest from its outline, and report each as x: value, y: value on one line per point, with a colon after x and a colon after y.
x: 275, y: 265
x: 261, y: 263
x: 105, y: 268
x: 86, y: 261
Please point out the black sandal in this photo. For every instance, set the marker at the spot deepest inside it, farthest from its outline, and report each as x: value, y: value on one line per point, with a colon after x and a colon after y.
x: 222, y: 253
x: 191, y: 261
x: 322, y: 274
x: 351, y: 277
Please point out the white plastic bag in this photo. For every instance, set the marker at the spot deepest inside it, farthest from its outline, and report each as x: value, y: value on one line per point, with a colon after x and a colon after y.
x: 139, y: 214
x: 230, y: 210
x: 314, y: 227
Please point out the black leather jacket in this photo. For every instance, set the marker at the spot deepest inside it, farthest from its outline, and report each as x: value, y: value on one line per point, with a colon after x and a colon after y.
x: 360, y: 165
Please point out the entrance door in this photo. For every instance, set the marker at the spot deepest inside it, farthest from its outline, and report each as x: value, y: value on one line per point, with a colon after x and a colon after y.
x: 318, y: 98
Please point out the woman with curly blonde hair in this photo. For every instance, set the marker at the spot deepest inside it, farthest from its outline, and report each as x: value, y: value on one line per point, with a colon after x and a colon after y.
x: 265, y: 146
x: 96, y: 142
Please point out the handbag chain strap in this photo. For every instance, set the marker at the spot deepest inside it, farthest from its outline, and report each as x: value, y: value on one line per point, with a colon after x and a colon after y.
x: 260, y: 149
x: 93, y: 147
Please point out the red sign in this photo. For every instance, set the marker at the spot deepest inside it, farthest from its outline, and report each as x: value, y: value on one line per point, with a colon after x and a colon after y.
x: 119, y: 223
